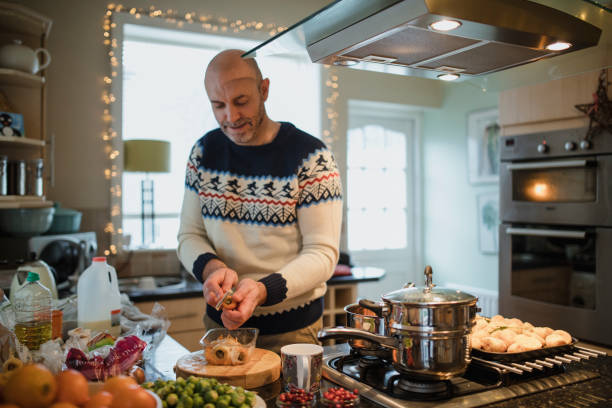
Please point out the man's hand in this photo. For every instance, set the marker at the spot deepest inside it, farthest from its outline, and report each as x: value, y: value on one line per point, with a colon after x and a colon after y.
x: 248, y: 295
x: 218, y: 282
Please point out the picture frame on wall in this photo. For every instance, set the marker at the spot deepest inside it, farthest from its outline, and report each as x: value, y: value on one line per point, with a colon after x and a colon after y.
x: 488, y: 221
x: 483, y: 132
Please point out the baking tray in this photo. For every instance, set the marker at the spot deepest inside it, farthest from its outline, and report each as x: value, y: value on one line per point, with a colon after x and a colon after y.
x: 525, y: 355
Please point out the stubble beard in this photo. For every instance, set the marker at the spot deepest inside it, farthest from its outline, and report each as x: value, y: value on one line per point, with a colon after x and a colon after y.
x: 248, y: 135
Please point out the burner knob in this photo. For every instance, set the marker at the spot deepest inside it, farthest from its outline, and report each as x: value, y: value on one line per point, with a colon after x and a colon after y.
x: 585, y: 144
x: 542, y: 148
x: 569, y: 146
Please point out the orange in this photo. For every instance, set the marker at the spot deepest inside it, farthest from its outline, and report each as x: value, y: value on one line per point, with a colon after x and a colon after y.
x: 31, y: 386
x: 72, y: 387
x: 101, y: 399
x: 114, y: 384
x: 142, y: 399
x: 9, y: 406
x: 133, y: 397
x: 63, y: 405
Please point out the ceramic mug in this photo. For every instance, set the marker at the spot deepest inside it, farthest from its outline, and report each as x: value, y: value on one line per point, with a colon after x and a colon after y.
x: 301, y: 366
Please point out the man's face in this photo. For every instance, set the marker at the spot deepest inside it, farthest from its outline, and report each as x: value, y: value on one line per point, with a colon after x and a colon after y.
x: 238, y: 106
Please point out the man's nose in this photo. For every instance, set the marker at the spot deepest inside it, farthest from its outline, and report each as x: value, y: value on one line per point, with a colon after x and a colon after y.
x: 232, y: 113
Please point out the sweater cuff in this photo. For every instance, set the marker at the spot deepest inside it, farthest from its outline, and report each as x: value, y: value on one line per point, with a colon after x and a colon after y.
x: 200, y: 263
x: 276, y: 286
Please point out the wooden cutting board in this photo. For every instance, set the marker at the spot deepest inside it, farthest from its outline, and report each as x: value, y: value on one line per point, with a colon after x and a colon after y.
x: 262, y: 368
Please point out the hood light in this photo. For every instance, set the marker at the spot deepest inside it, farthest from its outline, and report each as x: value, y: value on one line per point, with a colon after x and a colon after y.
x: 448, y: 77
x: 445, y: 25
x: 558, y: 46
x: 345, y: 62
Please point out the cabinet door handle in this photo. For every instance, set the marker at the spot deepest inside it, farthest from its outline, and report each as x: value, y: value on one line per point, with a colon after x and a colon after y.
x: 52, y: 159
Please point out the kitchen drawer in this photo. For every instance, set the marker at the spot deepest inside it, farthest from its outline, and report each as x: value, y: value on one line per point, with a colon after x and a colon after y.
x: 184, y: 314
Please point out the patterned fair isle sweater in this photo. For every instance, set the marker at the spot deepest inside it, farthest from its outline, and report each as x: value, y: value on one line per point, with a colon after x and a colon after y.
x: 272, y: 213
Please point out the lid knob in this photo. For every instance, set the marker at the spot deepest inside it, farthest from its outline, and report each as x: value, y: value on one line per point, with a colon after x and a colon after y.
x: 428, y: 279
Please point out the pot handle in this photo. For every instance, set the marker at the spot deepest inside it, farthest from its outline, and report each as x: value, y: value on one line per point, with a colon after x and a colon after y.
x: 379, y: 308
x: 346, y: 332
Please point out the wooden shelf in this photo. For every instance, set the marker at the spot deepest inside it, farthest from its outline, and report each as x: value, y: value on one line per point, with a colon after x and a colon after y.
x: 13, y: 201
x: 12, y: 77
x: 21, y: 20
x: 20, y: 141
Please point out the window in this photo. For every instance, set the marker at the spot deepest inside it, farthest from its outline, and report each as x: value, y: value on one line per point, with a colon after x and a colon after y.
x: 163, y: 97
x: 382, y: 189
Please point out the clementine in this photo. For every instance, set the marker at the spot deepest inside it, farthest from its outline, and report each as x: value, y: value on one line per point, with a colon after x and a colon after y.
x: 133, y: 397
x: 31, y: 386
x: 101, y: 399
x: 63, y: 405
x: 115, y: 384
x: 72, y: 387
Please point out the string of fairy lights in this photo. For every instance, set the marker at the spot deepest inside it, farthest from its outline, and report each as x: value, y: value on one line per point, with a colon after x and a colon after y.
x: 181, y: 20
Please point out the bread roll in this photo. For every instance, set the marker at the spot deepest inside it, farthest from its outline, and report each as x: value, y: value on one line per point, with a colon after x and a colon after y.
x: 506, y: 335
x: 542, y: 331
x: 493, y: 344
x: 524, y: 343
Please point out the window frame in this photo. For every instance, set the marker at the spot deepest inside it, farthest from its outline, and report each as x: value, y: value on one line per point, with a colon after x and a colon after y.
x: 413, y: 117
x: 117, y: 239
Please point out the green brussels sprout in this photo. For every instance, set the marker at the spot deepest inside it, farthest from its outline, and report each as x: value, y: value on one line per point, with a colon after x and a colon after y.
x: 211, y: 396
x: 238, y: 399
x: 172, y: 399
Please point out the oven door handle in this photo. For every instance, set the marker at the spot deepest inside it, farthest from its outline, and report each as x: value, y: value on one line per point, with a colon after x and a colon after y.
x: 549, y: 165
x: 546, y: 232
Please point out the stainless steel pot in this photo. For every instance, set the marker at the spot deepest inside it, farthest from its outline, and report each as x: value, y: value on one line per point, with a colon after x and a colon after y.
x: 357, y: 317
x: 427, y: 329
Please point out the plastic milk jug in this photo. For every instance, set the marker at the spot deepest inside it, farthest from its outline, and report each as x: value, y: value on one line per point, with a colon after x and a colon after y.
x: 98, y: 298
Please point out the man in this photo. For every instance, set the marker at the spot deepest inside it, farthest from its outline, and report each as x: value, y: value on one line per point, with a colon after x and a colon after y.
x: 261, y: 213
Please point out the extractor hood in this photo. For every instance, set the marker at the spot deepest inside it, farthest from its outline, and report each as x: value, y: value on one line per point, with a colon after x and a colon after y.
x: 490, y: 35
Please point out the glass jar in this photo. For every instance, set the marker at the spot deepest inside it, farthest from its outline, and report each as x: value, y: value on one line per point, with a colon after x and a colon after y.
x: 338, y: 397
x: 296, y: 398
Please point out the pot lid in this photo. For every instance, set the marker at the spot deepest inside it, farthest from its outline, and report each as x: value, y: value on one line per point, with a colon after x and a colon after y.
x: 429, y: 294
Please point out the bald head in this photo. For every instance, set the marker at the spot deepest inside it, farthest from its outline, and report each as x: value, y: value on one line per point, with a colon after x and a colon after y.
x: 237, y: 94
x: 230, y: 65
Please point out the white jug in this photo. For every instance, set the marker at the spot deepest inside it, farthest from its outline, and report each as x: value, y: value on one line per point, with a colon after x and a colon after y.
x: 23, y: 58
x: 44, y: 272
x: 99, y: 300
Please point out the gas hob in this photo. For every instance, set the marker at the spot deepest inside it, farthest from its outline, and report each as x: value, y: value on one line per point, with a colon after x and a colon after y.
x: 483, y: 383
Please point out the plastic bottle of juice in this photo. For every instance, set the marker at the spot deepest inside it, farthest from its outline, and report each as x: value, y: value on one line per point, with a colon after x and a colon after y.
x: 98, y: 298
x: 33, y: 313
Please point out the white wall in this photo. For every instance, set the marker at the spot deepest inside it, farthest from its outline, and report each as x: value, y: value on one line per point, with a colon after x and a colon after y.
x: 451, y: 241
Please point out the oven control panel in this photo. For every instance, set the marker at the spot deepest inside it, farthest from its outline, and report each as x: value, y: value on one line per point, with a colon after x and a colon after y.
x: 559, y: 143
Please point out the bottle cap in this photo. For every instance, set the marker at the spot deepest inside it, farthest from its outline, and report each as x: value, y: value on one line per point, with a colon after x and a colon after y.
x: 32, y: 277
x: 99, y: 259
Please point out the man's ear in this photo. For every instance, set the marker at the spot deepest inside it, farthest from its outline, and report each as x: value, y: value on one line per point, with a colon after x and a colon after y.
x: 264, y: 87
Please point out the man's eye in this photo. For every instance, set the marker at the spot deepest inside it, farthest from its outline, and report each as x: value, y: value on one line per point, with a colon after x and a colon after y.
x: 241, y: 102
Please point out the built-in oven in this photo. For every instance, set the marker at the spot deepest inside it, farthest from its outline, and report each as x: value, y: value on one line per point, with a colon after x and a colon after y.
x: 558, y: 276
x: 549, y: 178
x: 555, y: 261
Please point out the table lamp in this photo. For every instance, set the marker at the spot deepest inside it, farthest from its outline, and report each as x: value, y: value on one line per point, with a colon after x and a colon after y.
x: 146, y: 156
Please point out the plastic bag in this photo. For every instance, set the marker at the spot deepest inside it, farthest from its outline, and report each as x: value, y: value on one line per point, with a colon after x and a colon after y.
x: 151, y: 328
x: 51, y: 355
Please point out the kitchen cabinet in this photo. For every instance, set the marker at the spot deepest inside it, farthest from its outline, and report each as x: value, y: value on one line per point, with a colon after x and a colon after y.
x: 548, y: 106
x: 336, y: 298
x: 185, y: 315
x: 25, y: 94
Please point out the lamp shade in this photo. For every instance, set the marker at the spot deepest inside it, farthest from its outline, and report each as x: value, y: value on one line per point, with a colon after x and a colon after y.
x: 145, y: 155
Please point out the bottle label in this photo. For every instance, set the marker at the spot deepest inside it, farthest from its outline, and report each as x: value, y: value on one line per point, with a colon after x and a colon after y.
x: 115, y: 317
